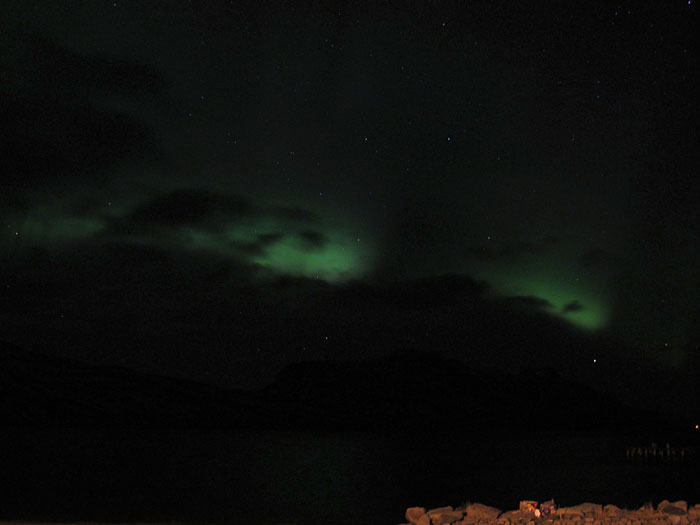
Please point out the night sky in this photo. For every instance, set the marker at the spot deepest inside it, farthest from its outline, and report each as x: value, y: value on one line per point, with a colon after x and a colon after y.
x: 215, y: 189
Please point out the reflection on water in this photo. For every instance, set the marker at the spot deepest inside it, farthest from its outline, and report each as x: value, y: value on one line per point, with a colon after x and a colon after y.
x: 283, y: 477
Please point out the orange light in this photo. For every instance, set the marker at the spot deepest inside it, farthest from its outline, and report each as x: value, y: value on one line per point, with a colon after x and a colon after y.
x: 697, y: 426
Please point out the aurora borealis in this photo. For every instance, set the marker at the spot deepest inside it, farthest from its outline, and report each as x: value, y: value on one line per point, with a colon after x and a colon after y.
x: 216, y: 191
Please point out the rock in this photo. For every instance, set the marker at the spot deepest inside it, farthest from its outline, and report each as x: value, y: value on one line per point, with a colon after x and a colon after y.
x: 573, y: 512
x: 637, y: 515
x: 681, y: 505
x: 661, y: 505
x: 423, y: 520
x: 694, y: 512
x: 590, y: 509
x: 678, y: 508
x: 452, y: 516
x: 439, y: 510
x: 479, y: 511
x: 611, y: 510
x: 672, y: 510
x: 514, y: 516
x: 413, y: 514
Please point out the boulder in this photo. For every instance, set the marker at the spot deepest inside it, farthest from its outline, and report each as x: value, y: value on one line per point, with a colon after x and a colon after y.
x: 681, y: 505
x: 637, y: 515
x: 479, y: 511
x: 573, y: 512
x: 590, y: 509
x: 661, y: 505
x: 423, y: 520
x: 514, y: 516
x: 446, y: 517
x: 672, y: 510
x: 413, y: 514
x: 612, y: 510
x: 439, y: 510
x: 677, y: 508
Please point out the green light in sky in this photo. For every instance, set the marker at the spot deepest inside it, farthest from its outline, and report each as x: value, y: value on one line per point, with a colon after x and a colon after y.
x: 573, y: 296
x: 277, y: 248
x: 276, y: 244
x: 338, y: 259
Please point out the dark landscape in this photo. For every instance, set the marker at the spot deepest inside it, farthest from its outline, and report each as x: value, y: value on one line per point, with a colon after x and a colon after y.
x: 322, y: 262
x: 361, y: 439
x: 401, y: 391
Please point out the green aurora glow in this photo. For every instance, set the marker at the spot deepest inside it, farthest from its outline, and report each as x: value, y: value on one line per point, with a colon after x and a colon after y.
x: 328, y: 249
x: 555, y: 282
x: 338, y: 257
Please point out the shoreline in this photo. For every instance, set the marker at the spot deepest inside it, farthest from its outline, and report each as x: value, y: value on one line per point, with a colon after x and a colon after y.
x: 534, y: 513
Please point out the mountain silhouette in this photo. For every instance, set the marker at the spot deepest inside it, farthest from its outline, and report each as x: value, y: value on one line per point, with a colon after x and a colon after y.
x: 406, y: 390
x: 425, y: 391
x: 41, y: 390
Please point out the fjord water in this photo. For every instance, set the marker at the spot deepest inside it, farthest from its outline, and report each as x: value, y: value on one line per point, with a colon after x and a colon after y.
x: 302, y: 477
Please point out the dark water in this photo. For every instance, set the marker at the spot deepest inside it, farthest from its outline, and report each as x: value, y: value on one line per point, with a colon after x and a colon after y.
x: 257, y: 477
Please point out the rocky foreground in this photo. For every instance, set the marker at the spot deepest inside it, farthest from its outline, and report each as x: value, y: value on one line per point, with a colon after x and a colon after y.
x: 676, y: 513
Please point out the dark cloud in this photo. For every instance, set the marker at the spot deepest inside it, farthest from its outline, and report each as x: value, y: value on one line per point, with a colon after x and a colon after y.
x: 159, y: 218
x: 312, y: 240
x: 510, y: 252
x: 187, y: 207
x: 59, y: 116
x: 267, y: 239
x: 528, y: 301
x: 573, y: 306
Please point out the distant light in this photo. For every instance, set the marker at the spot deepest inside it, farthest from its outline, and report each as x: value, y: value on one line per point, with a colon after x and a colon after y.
x: 449, y: 138
x: 595, y: 360
x: 696, y: 426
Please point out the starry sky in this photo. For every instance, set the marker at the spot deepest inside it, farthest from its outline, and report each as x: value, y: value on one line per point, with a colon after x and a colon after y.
x: 216, y: 189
